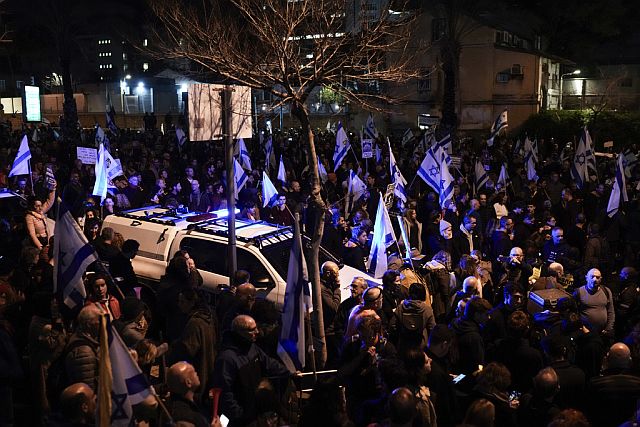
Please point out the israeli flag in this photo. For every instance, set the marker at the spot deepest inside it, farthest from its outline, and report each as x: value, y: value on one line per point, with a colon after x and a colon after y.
x: 396, y: 178
x: 180, y: 137
x: 429, y: 170
x: 100, y: 136
x: 101, y: 184
x: 481, y: 176
x: 282, y: 174
x: 242, y: 153
x: 270, y: 157
x: 114, y: 166
x: 355, y: 191
x: 529, y: 151
x: 579, y: 171
x: 322, y: 172
x: 500, y: 123
x: 370, y: 131
x: 383, y: 237
x: 619, y: 190
x: 72, y: 254
x: 530, y: 164
x: 342, y: 147
x: 269, y: 192
x: 590, y: 154
x: 446, y: 144
x: 518, y: 148
x: 21, y: 164
x: 128, y: 385
x: 292, y: 345
x: 111, y: 124
x: 240, y: 177
x: 446, y: 184
x: 503, y: 179
x: 407, y: 136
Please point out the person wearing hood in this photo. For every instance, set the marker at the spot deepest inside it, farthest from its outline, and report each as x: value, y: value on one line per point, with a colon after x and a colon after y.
x: 443, y: 241
x: 355, y: 251
x: 413, y: 320
x: 240, y: 368
x: 470, y: 346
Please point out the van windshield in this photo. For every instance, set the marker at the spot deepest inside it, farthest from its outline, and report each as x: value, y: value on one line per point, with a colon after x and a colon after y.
x: 278, y: 255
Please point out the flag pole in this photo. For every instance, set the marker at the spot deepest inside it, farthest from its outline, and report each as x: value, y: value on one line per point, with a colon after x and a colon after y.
x: 30, y: 177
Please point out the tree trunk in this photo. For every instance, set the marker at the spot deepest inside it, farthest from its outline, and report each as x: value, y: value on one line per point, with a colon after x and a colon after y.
x: 70, y: 110
x: 318, y: 207
x: 450, y: 68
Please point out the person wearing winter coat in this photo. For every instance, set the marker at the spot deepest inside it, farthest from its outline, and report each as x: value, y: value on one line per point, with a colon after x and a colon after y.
x: 413, y: 319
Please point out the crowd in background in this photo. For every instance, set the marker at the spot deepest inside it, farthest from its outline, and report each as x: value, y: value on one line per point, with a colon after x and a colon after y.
x: 451, y: 337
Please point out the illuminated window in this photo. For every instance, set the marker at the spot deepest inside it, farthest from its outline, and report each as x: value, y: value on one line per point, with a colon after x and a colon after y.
x: 145, y: 42
x: 145, y: 66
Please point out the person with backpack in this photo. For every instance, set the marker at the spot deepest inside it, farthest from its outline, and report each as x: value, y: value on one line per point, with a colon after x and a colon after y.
x: 413, y: 320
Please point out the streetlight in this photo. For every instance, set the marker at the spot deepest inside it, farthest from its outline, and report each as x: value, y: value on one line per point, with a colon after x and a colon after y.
x: 573, y: 73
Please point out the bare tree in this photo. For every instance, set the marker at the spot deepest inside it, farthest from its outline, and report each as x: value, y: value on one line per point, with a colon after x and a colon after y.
x: 288, y: 48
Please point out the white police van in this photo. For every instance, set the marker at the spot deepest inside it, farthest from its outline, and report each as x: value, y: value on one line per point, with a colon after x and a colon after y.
x: 262, y: 248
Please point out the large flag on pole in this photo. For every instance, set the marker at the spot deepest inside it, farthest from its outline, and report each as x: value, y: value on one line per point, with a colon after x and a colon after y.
x: 383, y: 237
x: 481, y: 175
x: 500, y: 123
x: 240, y: 177
x: 355, y: 191
x: 121, y: 382
x: 396, y: 178
x: 370, y: 131
x: 242, y: 153
x: 282, y: 174
x: 72, y: 254
x: 446, y: 184
x: 21, y: 162
x: 269, y: 192
x: 180, y: 137
x: 270, y: 157
x: 503, y: 179
x: 619, y: 190
x: 429, y: 171
x: 342, y: 147
x: 102, y: 182
x: 297, y: 300
x: 447, y: 147
x: 407, y: 136
x: 579, y: 171
x: 590, y: 155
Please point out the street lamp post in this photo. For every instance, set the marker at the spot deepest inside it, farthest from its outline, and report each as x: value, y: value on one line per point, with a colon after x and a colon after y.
x: 573, y: 73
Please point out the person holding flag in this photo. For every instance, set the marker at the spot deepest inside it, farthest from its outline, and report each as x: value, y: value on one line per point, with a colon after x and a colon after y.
x: 36, y: 218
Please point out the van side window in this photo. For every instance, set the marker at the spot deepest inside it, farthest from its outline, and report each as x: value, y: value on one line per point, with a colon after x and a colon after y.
x: 248, y: 261
x: 209, y: 256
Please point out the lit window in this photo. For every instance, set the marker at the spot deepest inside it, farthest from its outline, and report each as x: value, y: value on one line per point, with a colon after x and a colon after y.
x: 124, y: 56
x: 145, y: 66
x: 145, y: 42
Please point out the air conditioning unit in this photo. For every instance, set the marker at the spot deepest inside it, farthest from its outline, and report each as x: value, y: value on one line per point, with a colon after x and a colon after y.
x: 516, y: 70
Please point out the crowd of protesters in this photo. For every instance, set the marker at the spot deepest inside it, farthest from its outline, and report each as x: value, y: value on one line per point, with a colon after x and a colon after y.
x: 450, y: 338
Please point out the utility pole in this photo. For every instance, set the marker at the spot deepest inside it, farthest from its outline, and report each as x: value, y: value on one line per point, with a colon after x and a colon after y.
x: 227, y: 132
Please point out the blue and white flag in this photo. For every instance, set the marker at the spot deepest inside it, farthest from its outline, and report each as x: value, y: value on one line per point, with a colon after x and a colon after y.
x: 446, y: 184
x: 322, y: 172
x: 447, y: 147
x: 21, y: 164
x: 114, y: 166
x: 100, y: 136
x: 282, y: 174
x: 111, y: 124
x: 481, y: 175
x: 72, y: 254
x: 407, y: 136
x: 630, y: 162
x: 180, y: 137
x: 128, y: 385
x: 292, y: 346
x: 530, y: 151
x: 378, y: 152
x: 579, y: 171
x: 241, y: 153
x: 503, y: 179
x: 383, y: 237
x: 590, y: 155
x: 396, y: 178
x: 429, y: 171
x: 269, y: 192
x: 355, y: 191
x: 370, y: 131
x: 240, y: 177
x: 270, y: 157
x: 619, y: 190
x: 500, y: 123
x: 518, y: 148
x: 342, y: 147
x: 530, y: 165
x: 102, y: 182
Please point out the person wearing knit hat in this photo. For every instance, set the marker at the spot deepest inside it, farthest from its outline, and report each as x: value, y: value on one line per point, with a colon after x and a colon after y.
x: 446, y: 230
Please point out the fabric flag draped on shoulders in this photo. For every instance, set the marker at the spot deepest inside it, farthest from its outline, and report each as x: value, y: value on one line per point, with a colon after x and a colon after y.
x: 21, y: 165
x: 500, y: 123
x: 383, y: 237
x: 269, y: 192
x: 72, y: 254
x: 297, y: 300
x: 342, y: 147
x: 121, y: 383
x: 619, y: 190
